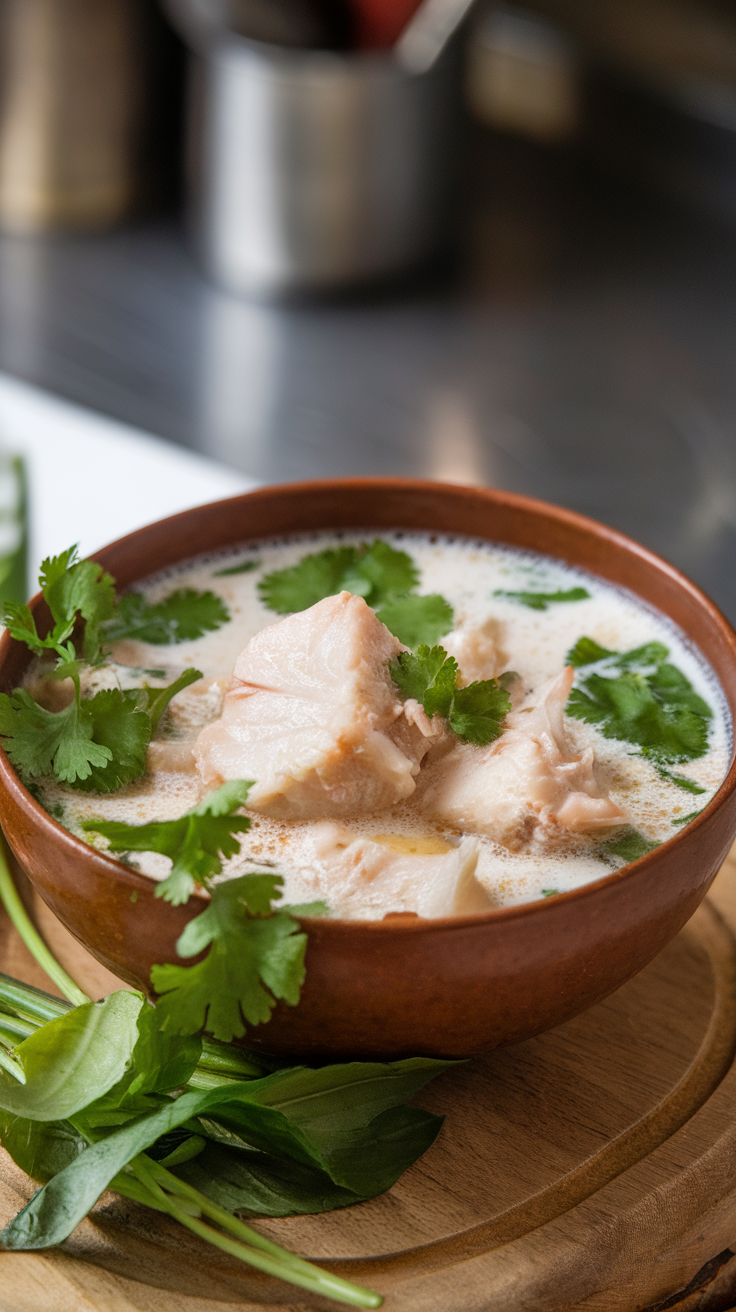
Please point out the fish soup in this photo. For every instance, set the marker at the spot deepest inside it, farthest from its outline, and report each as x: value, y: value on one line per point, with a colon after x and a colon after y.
x: 431, y: 725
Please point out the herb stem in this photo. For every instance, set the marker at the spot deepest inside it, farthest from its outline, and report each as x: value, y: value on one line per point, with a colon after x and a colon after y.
x: 203, y: 1079
x: 256, y: 1249
x: 14, y: 1030
x: 22, y: 923
x: 226, y: 1060
x: 13, y: 1068
x: 31, y: 1004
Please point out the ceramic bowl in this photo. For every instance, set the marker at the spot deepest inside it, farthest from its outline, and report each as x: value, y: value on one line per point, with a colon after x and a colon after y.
x: 453, y: 986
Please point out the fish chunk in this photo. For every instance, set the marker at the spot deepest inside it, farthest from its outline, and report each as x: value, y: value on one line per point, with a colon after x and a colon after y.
x: 529, y: 786
x: 479, y: 651
x: 366, y: 879
x: 313, y: 716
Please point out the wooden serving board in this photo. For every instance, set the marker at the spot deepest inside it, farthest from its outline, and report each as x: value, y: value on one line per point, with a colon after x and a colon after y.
x: 593, y: 1167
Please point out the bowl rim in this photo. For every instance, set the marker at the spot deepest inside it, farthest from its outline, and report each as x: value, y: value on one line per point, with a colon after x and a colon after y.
x: 409, y: 922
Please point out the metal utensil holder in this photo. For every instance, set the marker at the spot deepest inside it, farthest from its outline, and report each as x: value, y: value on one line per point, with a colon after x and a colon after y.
x: 314, y: 170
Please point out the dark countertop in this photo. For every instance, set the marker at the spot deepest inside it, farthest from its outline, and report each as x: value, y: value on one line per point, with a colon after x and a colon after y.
x: 582, y: 350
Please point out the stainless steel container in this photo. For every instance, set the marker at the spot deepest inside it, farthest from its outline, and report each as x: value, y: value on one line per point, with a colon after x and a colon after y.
x: 315, y: 170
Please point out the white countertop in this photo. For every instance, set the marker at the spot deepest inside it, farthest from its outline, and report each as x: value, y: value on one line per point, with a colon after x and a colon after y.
x: 92, y: 479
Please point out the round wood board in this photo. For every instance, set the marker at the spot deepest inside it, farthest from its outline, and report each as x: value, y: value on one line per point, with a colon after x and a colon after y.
x: 592, y: 1167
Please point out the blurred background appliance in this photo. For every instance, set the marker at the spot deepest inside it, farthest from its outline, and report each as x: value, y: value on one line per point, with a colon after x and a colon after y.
x: 313, y: 169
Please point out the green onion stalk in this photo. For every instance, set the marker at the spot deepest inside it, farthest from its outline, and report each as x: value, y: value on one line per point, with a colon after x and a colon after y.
x: 23, y: 1009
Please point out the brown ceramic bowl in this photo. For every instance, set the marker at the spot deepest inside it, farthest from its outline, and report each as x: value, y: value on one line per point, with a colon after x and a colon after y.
x: 452, y: 987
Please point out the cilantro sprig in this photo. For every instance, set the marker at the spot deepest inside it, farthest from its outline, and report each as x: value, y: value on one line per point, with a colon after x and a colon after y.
x: 385, y: 577
x: 639, y: 697
x: 102, y: 1095
x: 256, y: 957
x: 429, y: 675
x: 196, y: 842
x: 96, y: 744
x: 72, y: 589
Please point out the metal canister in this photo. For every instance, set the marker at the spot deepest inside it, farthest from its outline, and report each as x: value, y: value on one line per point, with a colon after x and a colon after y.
x: 71, y: 92
x: 315, y: 170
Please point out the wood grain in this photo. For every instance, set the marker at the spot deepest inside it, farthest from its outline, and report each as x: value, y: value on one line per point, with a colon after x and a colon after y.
x: 593, y: 1167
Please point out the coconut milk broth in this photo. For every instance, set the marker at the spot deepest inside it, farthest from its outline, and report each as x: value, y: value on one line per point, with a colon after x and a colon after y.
x: 467, y: 573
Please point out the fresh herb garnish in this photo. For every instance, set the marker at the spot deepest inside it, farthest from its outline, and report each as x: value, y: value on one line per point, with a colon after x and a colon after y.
x: 385, y: 577
x: 195, y: 842
x: 629, y: 845
x: 256, y: 956
x: 72, y: 589
x: 414, y: 619
x: 96, y: 744
x: 430, y: 676
x: 328, y: 1137
x: 99, y: 743
x: 640, y: 698
x: 181, y: 617
x: 246, y: 567
x: 100, y: 1096
x: 541, y: 600
x: 681, y: 780
x: 96, y: 1110
x: 256, y: 953
x: 549, y: 892
x: 587, y: 652
x: 685, y: 819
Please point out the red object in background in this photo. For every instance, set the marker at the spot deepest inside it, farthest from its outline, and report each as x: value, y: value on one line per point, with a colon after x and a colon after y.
x: 379, y: 23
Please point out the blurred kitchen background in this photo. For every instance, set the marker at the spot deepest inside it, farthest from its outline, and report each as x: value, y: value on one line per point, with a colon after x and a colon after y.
x: 549, y: 307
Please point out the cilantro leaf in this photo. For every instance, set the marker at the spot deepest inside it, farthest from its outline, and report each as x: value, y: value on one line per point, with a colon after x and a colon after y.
x: 629, y: 845
x: 195, y: 842
x: 316, y: 576
x: 385, y: 577
x: 386, y: 570
x: 123, y: 728
x: 246, y: 567
x: 70, y: 587
x: 477, y: 711
x: 652, y: 653
x: 414, y: 619
x: 541, y: 600
x: 649, y: 703
x: 255, y: 957
x: 80, y: 587
x: 587, y: 652
x: 181, y: 617
x: 96, y: 744
x: 430, y: 675
x: 41, y: 742
x: 21, y: 625
x: 549, y: 892
x: 375, y: 572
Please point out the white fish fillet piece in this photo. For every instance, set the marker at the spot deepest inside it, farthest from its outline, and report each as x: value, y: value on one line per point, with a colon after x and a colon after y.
x: 313, y: 717
x: 527, y: 785
x: 478, y: 650
x: 363, y: 879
